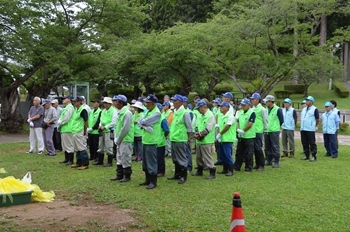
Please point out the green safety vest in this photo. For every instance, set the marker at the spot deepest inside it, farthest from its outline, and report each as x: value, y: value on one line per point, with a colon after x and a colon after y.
x: 77, y: 121
x: 215, y: 110
x: 162, y: 141
x: 129, y: 137
x: 137, y: 128
x: 178, y: 129
x: 106, y: 117
x: 202, y: 122
x: 93, y: 116
x: 154, y: 137
x: 243, y: 118
x: 259, y: 121
x: 274, y: 122
x: 66, y: 128
x: 230, y: 134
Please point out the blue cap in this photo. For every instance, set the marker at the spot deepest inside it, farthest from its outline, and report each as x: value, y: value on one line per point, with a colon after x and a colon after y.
x: 189, y: 106
x: 185, y: 99
x: 245, y: 101
x: 228, y: 95
x: 197, y: 99
x: 78, y: 99
x: 151, y: 98
x: 303, y: 102
x: 45, y: 101
x: 177, y: 97
x: 166, y: 103
x: 327, y: 104
x: 160, y: 107
x: 140, y: 99
x: 217, y: 100
x: 200, y: 104
x: 225, y: 104
x: 310, y: 98
x: 68, y: 97
x: 255, y: 96
x: 287, y: 100
x: 120, y: 98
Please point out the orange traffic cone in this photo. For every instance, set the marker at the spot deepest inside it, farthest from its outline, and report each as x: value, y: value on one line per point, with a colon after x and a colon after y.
x: 237, y: 219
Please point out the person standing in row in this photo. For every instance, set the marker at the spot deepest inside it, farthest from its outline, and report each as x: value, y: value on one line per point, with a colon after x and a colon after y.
x: 334, y: 108
x: 162, y: 143
x: 246, y: 137
x: 93, y: 135
x: 35, y: 120
x: 168, y: 115
x: 79, y: 125
x: 260, y: 125
x: 310, y: 118
x: 226, y: 137
x: 48, y: 126
x: 137, y: 116
x: 65, y: 127
x: 86, y: 106
x: 330, y: 122
x: 107, y: 123
x: 180, y: 137
x: 188, y: 150
x: 56, y: 134
x: 205, y: 136
x: 288, y: 127
x: 272, y: 145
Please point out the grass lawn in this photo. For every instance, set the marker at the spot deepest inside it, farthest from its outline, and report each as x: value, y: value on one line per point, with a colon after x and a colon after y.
x: 299, y: 196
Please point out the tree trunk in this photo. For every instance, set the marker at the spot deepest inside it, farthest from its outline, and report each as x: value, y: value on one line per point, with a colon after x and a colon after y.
x: 295, y: 79
x: 137, y: 92
x: 347, y: 61
x: 323, y: 31
x: 38, y: 91
x: 11, y: 118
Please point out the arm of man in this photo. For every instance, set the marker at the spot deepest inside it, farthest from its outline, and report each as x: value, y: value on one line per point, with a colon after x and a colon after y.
x: 188, y: 123
x: 317, y: 116
x: 85, y: 116
x: 251, y: 122
x: 67, y: 116
x: 53, y: 116
x: 170, y: 118
x: 95, y: 127
x: 114, y: 120
x: 231, y: 120
x: 126, y: 127
x: 40, y: 113
x: 280, y: 116
x: 151, y: 119
x: 165, y: 127
x: 265, y: 118
x: 210, y: 126
x: 337, y: 121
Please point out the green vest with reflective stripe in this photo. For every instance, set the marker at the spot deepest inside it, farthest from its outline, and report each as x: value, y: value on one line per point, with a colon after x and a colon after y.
x: 243, y: 119
x: 202, y: 121
x: 66, y: 128
x: 259, y: 121
x: 129, y: 137
x: 230, y: 134
x: 154, y: 137
x: 137, y: 129
x: 77, y: 121
x: 162, y: 141
x: 178, y: 129
x: 106, y: 117
x: 93, y: 116
x: 274, y: 122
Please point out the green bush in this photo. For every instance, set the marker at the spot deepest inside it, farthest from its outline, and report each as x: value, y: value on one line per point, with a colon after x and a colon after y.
x: 343, y: 126
x: 340, y: 90
x: 283, y: 93
x: 297, y: 89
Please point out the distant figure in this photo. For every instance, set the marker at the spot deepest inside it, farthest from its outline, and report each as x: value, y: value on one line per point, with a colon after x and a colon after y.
x: 288, y: 127
x: 56, y: 134
x: 334, y: 108
x: 330, y: 121
x: 35, y: 120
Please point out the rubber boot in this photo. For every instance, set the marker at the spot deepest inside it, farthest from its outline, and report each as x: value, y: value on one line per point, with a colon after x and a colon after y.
x: 183, y: 175
x: 211, y: 174
x: 285, y: 154
x: 100, y: 158
x: 127, y: 174
x: 199, y: 171
x: 229, y: 170
x: 109, y: 161
x: 268, y: 160
x: 120, y: 173
x: 291, y: 154
x: 176, y: 175
x: 70, y: 158
x: 147, y: 179
x: 153, y: 182
x: 224, y: 169
x: 314, y: 158
x: 65, y: 158
x: 276, y: 163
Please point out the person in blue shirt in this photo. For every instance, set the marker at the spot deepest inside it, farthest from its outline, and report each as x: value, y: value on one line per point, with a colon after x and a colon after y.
x: 330, y: 121
x: 161, y: 146
x: 334, y: 108
x: 288, y: 127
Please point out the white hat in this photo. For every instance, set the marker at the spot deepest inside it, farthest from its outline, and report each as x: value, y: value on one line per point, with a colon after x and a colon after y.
x: 172, y: 106
x: 138, y: 105
x: 107, y: 100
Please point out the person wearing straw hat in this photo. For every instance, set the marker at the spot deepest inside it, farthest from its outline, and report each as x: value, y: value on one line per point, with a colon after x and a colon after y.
x: 93, y: 135
x: 162, y: 143
x: 48, y: 125
x: 64, y: 125
x: 330, y: 121
x: 288, y: 128
x: 310, y: 118
x: 123, y: 138
x: 108, y: 120
x: 138, y: 115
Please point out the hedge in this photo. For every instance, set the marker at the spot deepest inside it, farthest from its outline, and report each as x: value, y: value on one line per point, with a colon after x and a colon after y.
x: 340, y: 90
x: 283, y: 93
x: 298, y: 89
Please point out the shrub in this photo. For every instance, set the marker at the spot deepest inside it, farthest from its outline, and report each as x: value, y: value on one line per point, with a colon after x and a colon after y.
x: 298, y: 89
x: 343, y: 126
x: 283, y: 93
x: 340, y: 90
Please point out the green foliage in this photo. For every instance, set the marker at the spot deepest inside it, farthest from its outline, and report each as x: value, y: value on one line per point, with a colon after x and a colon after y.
x: 343, y: 126
x: 299, y: 89
x: 283, y: 94
x: 341, y: 90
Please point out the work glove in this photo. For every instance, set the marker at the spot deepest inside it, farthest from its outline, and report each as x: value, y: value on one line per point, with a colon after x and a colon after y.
x: 148, y: 128
x: 89, y: 130
x: 59, y: 123
x: 31, y: 124
x: 218, y: 137
x: 29, y: 120
x: 217, y: 126
x: 240, y: 133
x: 116, y: 141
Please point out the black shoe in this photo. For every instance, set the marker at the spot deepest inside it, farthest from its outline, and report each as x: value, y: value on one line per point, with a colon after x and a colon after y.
x: 212, y: 174
x: 147, y: 180
x: 230, y: 170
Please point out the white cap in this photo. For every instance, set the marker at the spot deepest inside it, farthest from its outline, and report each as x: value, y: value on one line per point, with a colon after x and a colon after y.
x: 137, y: 105
x: 107, y: 100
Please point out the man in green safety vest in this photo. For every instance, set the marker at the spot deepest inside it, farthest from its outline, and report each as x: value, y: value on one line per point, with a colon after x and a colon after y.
x: 93, y: 136
x: 168, y: 114
x: 180, y: 137
x: 246, y: 137
x: 79, y: 125
x: 64, y: 125
x: 275, y: 118
x: 205, y: 136
x: 188, y: 150
x: 162, y: 143
x: 123, y: 138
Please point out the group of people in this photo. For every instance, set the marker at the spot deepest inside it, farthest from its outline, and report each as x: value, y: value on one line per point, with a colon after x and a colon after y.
x: 151, y: 131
